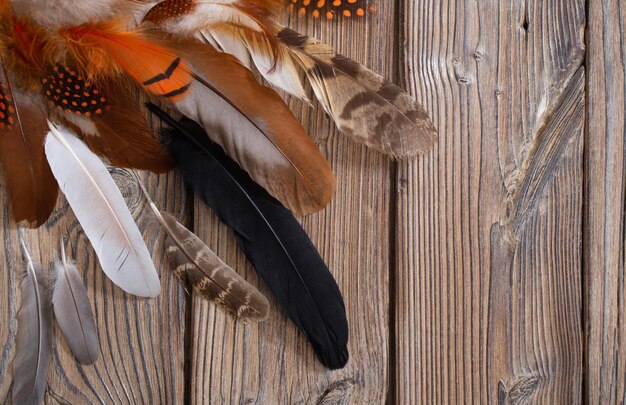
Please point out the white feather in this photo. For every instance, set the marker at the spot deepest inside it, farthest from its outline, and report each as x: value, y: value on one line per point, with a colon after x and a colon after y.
x: 102, y: 212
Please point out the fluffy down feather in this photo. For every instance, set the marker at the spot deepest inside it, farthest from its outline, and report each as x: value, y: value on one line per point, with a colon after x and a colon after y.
x: 66, y: 13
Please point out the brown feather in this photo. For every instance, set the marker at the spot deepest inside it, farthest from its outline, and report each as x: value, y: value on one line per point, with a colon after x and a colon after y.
x: 32, y: 188
x: 257, y: 129
x: 209, y: 276
x: 120, y: 132
x: 365, y: 106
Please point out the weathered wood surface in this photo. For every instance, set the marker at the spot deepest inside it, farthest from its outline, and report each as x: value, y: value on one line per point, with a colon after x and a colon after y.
x: 141, y: 340
x: 605, y: 306
x: 469, y: 274
x: 489, y: 224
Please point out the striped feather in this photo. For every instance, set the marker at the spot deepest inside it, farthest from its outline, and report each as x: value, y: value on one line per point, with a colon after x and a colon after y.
x: 209, y: 276
x: 364, y: 106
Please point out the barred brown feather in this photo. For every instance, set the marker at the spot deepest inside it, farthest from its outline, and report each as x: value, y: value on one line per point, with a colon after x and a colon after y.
x: 209, y: 276
x: 364, y: 105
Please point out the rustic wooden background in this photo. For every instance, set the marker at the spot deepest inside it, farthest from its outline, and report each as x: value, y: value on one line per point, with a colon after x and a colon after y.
x: 490, y: 270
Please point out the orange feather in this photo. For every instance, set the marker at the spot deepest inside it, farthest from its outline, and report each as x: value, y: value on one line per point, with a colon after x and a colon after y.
x: 158, y: 69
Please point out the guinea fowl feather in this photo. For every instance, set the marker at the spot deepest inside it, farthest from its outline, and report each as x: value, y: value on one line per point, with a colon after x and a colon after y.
x: 112, y: 124
x: 102, y: 212
x: 270, y: 236
x: 73, y: 311
x: 33, y: 341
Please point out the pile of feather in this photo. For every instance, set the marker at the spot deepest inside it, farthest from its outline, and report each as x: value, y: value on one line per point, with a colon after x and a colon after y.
x: 70, y: 76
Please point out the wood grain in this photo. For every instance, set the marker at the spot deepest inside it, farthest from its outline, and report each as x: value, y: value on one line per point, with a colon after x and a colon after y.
x: 140, y: 339
x: 490, y: 270
x: 488, y: 276
x: 272, y: 363
x: 604, y: 260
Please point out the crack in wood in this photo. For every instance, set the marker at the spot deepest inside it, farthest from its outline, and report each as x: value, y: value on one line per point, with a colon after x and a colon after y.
x: 537, y: 171
x: 541, y: 163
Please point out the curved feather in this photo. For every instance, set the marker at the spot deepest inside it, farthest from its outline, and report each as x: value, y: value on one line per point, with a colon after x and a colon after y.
x: 103, y: 214
x: 105, y: 48
x: 209, y: 276
x: 33, y: 341
x: 271, y: 238
x: 257, y: 129
x: 73, y: 312
x: 364, y: 105
x: 186, y: 17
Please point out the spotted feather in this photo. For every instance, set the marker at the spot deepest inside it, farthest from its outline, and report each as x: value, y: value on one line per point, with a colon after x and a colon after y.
x: 67, y: 90
x: 331, y: 9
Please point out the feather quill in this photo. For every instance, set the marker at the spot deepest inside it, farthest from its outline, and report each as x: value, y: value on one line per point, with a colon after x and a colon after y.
x: 271, y: 238
x: 209, y: 276
x: 73, y: 311
x: 33, y: 342
x: 102, y: 212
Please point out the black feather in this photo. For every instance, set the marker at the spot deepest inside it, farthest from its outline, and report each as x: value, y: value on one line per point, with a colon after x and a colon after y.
x: 270, y: 236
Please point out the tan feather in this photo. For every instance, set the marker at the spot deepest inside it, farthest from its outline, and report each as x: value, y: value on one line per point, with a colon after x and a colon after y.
x: 365, y: 106
x: 256, y: 52
x: 33, y: 342
x: 209, y: 276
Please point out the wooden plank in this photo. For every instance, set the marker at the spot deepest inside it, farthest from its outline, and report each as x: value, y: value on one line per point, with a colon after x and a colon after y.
x: 272, y: 363
x: 605, y: 306
x: 141, y: 340
x: 489, y: 224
